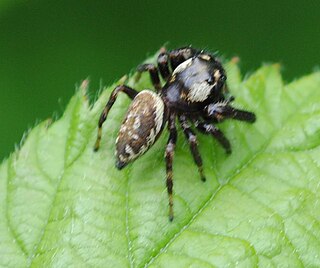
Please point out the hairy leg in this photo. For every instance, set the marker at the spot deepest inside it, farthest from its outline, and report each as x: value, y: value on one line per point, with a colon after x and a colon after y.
x: 192, y: 139
x: 180, y: 55
x: 212, y: 130
x: 122, y: 88
x: 169, y: 160
x: 222, y: 110
x: 154, y: 75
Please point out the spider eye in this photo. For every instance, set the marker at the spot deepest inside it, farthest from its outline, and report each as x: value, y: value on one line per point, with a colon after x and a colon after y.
x: 223, y: 78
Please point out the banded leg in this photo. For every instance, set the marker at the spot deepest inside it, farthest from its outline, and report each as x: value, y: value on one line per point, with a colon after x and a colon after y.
x: 192, y: 139
x: 222, y: 110
x: 154, y: 75
x: 169, y: 160
x: 176, y: 57
x: 122, y: 88
x: 179, y: 55
x: 163, y: 65
x: 207, y: 128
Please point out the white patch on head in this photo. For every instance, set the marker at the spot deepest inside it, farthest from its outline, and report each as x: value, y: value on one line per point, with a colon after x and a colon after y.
x: 181, y: 67
x: 205, y: 57
x: 217, y: 75
x: 199, y: 91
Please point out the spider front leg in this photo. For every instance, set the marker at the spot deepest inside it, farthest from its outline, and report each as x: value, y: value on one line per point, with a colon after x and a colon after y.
x: 180, y: 55
x: 169, y: 160
x: 154, y: 75
x: 222, y: 110
x: 211, y: 129
x: 163, y: 64
x: 192, y: 139
x: 175, y: 57
x: 122, y: 88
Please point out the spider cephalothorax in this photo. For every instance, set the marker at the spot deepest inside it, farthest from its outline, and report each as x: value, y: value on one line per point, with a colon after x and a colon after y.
x: 194, y: 93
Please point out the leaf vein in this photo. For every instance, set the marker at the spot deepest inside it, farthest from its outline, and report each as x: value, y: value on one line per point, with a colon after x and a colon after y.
x: 9, y: 223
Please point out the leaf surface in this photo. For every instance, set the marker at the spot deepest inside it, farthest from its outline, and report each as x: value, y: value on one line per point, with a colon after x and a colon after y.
x: 62, y: 205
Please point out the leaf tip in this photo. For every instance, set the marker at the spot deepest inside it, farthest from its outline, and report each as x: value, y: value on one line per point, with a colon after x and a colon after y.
x: 278, y: 66
x: 235, y: 60
x: 84, y: 89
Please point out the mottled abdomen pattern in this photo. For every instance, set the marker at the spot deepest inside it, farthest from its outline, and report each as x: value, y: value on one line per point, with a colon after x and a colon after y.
x: 140, y: 128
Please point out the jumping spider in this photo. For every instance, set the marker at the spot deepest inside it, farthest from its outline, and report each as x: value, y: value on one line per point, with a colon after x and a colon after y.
x: 195, y: 92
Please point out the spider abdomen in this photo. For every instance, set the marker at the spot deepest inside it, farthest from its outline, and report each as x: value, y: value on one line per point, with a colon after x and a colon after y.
x: 141, y: 127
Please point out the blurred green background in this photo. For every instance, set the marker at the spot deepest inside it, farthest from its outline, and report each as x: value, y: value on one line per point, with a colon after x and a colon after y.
x: 47, y: 47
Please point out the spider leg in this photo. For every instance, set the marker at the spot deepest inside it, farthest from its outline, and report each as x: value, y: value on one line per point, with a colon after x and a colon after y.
x: 163, y: 64
x: 169, y: 160
x: 154, y: 75
x: 211, y: 129
x: 176, y: 57
x: 192, y: 139
x: 180, y: 55
x: 122, y: 88
x: 222, y: 110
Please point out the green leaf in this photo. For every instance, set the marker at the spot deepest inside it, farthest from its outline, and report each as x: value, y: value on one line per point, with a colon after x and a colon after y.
x: 62, y: 205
